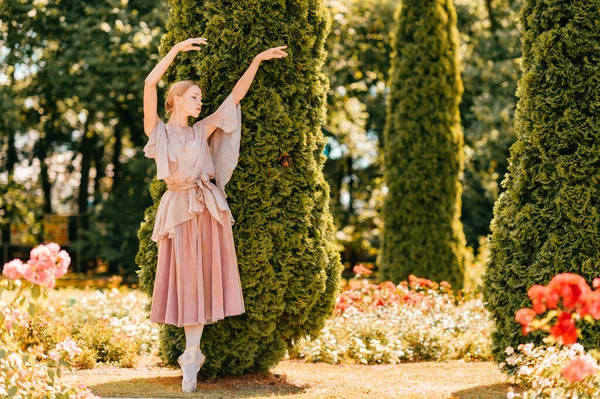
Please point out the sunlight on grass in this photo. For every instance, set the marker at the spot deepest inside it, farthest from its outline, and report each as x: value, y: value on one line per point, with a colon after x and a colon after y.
x: 299, y: 380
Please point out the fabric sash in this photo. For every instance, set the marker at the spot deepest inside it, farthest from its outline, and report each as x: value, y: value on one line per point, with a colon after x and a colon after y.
x: 204, y: 194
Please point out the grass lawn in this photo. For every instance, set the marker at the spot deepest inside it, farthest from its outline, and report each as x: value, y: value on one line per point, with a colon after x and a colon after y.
x: 299, y: 380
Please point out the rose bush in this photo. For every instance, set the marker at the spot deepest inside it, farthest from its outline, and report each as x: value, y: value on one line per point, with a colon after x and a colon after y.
x: 22, y: 372
x: 411, y: 321
x: 563, y: 369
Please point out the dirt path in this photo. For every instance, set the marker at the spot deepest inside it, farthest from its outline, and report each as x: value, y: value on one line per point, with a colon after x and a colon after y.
x: 298, y: 380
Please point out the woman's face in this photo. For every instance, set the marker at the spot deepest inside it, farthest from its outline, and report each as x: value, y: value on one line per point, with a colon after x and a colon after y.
x: 191, y: 101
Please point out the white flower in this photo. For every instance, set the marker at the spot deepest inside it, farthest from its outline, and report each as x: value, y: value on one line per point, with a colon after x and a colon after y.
x: 511, y: 361
x: 525, y: 370
x: 577, y: 348
x: 509, y: 351
x: 527, y: 348
x: 545, y: 382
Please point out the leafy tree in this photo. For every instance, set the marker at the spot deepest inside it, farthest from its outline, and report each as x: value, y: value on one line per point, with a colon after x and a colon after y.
x: 359, y: 50
x: 491, y: 51
x: 547, y: 221
x: 424, y: 148
x: 80, y: 105
x: 278, y: 196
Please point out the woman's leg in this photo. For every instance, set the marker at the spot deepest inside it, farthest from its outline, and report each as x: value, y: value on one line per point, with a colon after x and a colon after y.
x: 193, y: 335
x: 192, y: 340
x: 191, y: 357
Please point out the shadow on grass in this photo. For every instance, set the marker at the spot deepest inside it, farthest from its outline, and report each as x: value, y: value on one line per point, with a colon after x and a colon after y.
x: 247, y: 386
x: 494, y: 391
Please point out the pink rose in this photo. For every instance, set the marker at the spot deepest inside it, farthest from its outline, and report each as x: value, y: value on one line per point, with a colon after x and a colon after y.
x: 14, y: 269
x: 580, y: 368
x: 64, y: 262
x: 361, y: 270
x: 53, y: 247
x: 524, y: 317
x: 54, y: 355
x: 48, y: 262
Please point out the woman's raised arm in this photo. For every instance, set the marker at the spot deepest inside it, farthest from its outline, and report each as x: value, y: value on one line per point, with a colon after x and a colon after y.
x: 150, y: 94
x: 242, y: 85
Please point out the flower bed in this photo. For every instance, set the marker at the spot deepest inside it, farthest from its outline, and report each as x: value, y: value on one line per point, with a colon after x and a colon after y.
x: 552, y: 372
x: 412, y: 321
x: 563, y: 369
x: 122, y: 308
x: 33, y: 371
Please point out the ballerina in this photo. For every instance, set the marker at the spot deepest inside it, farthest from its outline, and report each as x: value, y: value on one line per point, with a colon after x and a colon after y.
x: 197, y: 278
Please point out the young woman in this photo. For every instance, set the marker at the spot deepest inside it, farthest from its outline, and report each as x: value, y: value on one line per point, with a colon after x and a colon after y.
x: 197, y: 279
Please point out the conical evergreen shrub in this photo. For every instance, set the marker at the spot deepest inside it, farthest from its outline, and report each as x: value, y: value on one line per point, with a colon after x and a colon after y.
x: 548, y: 220
x: 423, y: 148
x: 284, y: 232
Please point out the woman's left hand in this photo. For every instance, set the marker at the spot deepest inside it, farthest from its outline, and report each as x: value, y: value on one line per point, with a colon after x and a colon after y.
x: 275, y: 52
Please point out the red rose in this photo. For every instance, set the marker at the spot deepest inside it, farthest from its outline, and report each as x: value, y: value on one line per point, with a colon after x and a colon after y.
x: 565, y: 328
x: 571, y: 287
x: 537, y: 294
x: 524, y: 317
x: 592, y: 306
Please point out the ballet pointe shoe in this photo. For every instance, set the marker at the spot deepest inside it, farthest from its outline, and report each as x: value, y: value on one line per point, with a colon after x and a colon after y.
x: 190, y: 365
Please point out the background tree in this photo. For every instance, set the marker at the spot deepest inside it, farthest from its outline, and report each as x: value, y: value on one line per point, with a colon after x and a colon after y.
x: 358, y: 62
x: 77, y: 108
x: 357, y: 65
x: 279, y: 198
x: 424, y: 148
x: 547, y: 221
x: 490, y: 56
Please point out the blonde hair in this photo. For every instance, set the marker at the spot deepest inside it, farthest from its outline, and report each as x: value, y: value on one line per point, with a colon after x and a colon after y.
x: 179, y: 89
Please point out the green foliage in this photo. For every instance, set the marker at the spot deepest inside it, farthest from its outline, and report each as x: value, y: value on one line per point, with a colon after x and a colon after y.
x: 99, y: 340
x: 20, y: 204
x: 547, y: 221
x: 108, y: 344
x: 490, y: 54
x: 113, y: 231
x: 284, y: 230
x: 424, y: 148
x: 357, y: 65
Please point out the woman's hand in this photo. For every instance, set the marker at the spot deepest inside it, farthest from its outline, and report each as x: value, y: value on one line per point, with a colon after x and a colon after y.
x: 275, y: 52
x: 242, y: 85
x: 190, y: 44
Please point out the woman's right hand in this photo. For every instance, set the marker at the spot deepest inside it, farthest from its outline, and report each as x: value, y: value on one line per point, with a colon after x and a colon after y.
x: 190, y: 44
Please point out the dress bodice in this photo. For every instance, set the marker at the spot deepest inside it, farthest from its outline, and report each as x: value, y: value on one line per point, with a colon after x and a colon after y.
x: 188, y: 174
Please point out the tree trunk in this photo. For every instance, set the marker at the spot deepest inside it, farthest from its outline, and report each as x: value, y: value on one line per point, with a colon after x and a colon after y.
x: 118, y: 148
x: 87, y: 148
x: 41, y: 152
x: 100, y: 167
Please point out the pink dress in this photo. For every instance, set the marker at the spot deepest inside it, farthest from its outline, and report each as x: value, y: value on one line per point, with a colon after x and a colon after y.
x: 197, y: 278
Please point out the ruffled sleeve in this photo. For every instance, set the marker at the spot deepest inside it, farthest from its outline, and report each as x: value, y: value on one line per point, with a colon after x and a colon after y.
x: 224, y: 142
x: 158, y: 148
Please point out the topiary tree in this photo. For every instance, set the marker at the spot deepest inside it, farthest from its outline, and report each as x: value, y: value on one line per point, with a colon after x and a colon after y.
x: 284, y: 232
x: 548, y: 219
x: 423, y: 148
